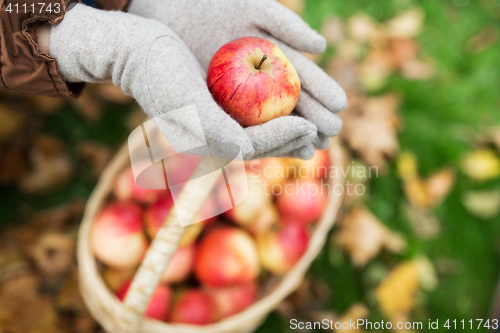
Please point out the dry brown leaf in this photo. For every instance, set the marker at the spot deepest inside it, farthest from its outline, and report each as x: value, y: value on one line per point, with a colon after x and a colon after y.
x: 49, y: 172
x: 403, y: 50
x: 407, y: 24
x: 23, y: 309
x: 96, y: 155
x: 439, y: 185
x: 483, y: 40
x: 11, y: 122
x: 375, y: 69
x: 295, y: 5
x: 53, y: 255
x: 363, y: 236
x: 111, y: 93
x: 417, y: 70
x: 345, y: 72
x: 311, y: 295
x: 424, y: 223
x: 363, y: 28
x: 13, y: 165
x: 371, y: 129
x: 482, y: 204
x: 481, y: 164
x: 46, y: 105
x: 87, y: 105
x: 333, y: 31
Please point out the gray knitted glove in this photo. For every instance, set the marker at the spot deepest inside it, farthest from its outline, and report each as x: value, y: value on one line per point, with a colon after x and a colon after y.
x: 206, y: 25
x: 151, y: 63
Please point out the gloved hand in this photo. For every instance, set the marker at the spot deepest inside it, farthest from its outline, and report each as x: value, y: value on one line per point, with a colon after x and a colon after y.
x: 151, y: 63
x: 206, y: 25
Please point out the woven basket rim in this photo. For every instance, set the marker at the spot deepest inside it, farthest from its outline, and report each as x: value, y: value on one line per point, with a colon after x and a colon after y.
x: 106, y: 308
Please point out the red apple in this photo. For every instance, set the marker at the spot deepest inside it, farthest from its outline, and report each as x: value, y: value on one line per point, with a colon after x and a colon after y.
x: 117, y: 237
x: 247, y: 211
x: 302, y: 200
x: 226, y: 256
x: 268, y: 217
x: 194, y: 307
x: 280, y: 249
x: 317, y: 167
x: 253, y: 81
x: 180, y: 266
x: 125, y: 188
x: 155, y: 216
x: 159, y: 305
x: 271, y: 169
x: 233, y: 299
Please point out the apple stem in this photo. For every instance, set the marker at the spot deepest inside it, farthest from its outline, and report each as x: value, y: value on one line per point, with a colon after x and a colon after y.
x: 264, y: 58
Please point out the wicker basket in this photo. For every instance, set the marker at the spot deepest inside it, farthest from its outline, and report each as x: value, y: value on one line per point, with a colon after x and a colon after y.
x: 109, y: 311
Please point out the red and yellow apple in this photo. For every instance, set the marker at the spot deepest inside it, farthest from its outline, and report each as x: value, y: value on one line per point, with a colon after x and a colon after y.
x: 159, y: 305
x: 233, y: 299
x: 180, y: 266
x: 226, y: 256
x: 117, y: 237
x: 194, y: 307
x: 302, y: 200
x: 253, y: 81
x: 280, y: 249
x: 125, y: 188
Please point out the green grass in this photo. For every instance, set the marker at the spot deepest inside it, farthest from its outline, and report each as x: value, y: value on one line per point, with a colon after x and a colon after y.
x: 460, y: 99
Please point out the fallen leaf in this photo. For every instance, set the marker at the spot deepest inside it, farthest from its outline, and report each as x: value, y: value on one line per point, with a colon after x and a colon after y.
x: 481, y: 164
x: 363, y: 236
x: 111, y: 93
x: 96, y: 155
x: 403, y: 50
x: 48, y: 172
x: 407, y: 166
x: 483, y: 40
x: 396, y: 294
x: 417, y: 70
x: 53, y: 255
x: 11, y: 122
x: 439, y: 185
x: 23, y: 309
x: 482, y: 204
x: 13, y: 165
x: 345, y: 72
x: 87, y: 105
x: 407, y: 24
x: 46, y: 105
x: 371, y: 130
x: 333, y: 31
x: 295, y: 5
x: 375, y: 69
x: 355, y: 312
x: 363, y: 28
x: 423, y: 222
x: 311, y: 295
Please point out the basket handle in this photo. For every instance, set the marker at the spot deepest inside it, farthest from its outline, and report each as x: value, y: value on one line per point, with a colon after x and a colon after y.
x: 163, y: 247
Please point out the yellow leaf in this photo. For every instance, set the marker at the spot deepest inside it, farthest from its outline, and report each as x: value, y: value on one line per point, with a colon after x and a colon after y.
x: 363, y: 236
x: 407, y: 166
x: 481, y: 164
x: 407, y: 24
x: 482, y: 204
x: 395, y: 295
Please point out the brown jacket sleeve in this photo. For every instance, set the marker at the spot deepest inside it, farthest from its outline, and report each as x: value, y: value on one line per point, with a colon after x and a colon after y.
x: 22, y: 66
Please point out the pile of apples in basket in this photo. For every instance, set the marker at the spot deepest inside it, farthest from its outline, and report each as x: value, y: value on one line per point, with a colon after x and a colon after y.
x: 221, y: 262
